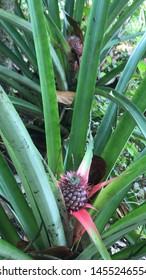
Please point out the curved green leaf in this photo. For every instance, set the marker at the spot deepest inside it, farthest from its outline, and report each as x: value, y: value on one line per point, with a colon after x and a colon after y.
x: 32, y: 168
x: 22, y: 80
x: 111, y: 74
x: 16, y: 21
x: 123, y: 17
x: 134, y: 252
x: 10, y: 252
x: 122, y: 132
x: 24, y: 106
x: 109, y: 119
x: 13, y: 194
x: 129, y: 222
x: 21, y: 64
x: 114, y: 188
x: 115, y: 9
x: 123, y: 226
x: 7, y: 230
x: 124, y: 102
x: 25, y: 93
x: 20, y: 42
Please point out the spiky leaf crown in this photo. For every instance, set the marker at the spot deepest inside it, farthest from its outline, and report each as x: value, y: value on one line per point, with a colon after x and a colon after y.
x: 74, y: 189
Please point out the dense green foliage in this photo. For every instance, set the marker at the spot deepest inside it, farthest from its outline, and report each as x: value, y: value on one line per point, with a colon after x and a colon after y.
x: 78, y: 69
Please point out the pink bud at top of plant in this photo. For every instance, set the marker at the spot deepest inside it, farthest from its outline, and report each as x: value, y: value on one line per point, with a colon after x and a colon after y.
x: 75, y: 44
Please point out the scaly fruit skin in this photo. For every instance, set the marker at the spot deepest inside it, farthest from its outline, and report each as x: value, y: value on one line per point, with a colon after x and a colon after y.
x: 74, y: 189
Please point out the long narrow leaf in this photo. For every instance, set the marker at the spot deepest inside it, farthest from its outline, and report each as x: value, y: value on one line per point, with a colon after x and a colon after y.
x: 69, y: 7
x: 78, y: 12
x: 59, y: 71
x: 29, y: 194
x: 10, y: 252
x: 16, y: 21
x: 115, y: 8
x: 50, y: 107
x: 114, y: 193
x: 123, y: 17
x: 123, y: 226
x: 27, y: 29
x: 122, y: 133
x: 33, y: 168
x: 124, y: 102
x: 22, y: 80
x: 7, y: 229
x: 24, y: 106
x: 13, y: 194
x: 15, y: 35
x: 21, y: 64
x: 53, y: 8
x: 134, y: 252
x: 131, y: 221
x: 108, y: 121
x: 132, y: 62
x: 59, y: 34
x: 117, y: 40
x: 21, y: 13
x: 25, y: 93
x: 86, y: 82
x: 111, y: 74
x: 59, y: 43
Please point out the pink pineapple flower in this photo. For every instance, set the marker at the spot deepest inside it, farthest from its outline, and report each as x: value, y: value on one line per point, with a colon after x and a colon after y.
x: 76, y: 192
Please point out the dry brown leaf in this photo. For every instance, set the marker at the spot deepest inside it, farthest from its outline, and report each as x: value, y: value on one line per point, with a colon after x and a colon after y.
x: 65, y: 97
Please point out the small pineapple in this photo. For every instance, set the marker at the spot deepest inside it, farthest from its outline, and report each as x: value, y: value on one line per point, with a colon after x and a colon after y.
x: 74, y: 189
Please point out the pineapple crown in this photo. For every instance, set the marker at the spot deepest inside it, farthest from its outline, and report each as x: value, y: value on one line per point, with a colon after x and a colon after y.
x: 73, y: 179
